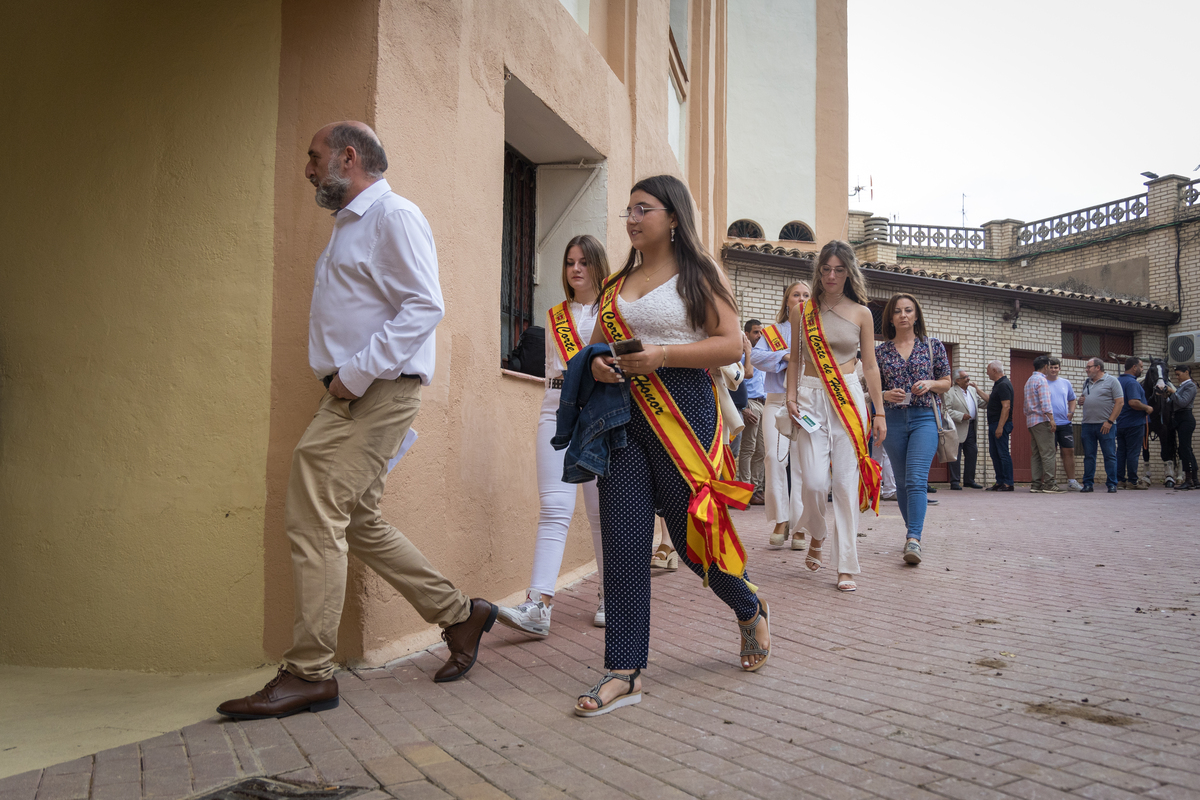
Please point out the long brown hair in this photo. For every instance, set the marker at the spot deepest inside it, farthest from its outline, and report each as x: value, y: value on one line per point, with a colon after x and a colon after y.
x: 782, y: 316
x: 889, y: 328
x: 856, y: 286
x: 699, y: 276
x: 597, y: 263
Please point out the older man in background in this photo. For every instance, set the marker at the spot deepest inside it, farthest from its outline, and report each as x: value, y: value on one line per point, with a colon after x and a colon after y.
x: 1102, y: 399
x: 999, y: 426
x: 962, y: 405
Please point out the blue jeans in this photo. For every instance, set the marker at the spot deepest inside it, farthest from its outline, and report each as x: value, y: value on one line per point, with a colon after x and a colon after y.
x: 911, y: 443
x: 1108, y: 446
x: 1001, y: 456
x: 1129, y: 450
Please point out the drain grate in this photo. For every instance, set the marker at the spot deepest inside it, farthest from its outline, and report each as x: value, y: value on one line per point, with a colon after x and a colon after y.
x: 272, y: 789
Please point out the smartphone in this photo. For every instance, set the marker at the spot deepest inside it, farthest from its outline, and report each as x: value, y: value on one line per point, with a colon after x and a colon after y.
x: 627, y: 346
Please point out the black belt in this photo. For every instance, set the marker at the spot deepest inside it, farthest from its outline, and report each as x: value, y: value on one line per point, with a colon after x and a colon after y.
x: 328, y: 379
x: 555, y: 383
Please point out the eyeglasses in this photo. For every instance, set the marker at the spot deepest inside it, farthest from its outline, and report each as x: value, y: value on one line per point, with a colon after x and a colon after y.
x: 638, y: 212
x: 828, y: 270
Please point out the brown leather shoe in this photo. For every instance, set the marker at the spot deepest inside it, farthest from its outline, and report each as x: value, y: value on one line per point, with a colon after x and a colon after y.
x: 463, y: 640
x: 283, y: 696
x: 757, y: 498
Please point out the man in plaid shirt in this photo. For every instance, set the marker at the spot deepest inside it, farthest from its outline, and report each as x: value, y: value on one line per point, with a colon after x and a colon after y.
x: 1039, y: 416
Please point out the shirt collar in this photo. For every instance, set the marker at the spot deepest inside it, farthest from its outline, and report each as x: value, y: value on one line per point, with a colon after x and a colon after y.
x: 366, y: 198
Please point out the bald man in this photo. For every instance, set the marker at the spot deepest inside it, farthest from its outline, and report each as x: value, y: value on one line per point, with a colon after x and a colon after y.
x: 376, y: 301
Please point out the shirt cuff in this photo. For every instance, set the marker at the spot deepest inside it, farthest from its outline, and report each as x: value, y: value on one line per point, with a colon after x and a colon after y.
x: 355, y: 380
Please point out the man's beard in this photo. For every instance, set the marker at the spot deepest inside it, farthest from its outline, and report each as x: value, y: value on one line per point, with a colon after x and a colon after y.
x: 332, y: 190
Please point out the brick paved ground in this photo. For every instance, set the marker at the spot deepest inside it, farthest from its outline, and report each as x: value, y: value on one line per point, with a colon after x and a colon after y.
x: 927, y: 682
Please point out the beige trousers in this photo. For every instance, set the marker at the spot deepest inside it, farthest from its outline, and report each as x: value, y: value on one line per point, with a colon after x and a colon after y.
x: 752, y: 456
x: 1042, y: 465
x: 780, y: 506
x: 827, y: 457
x: 338, y: 474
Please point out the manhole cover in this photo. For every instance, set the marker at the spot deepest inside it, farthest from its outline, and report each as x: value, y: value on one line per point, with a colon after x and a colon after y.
x: 270, y: 789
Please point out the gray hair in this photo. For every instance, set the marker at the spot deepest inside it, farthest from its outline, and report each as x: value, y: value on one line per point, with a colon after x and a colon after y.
x: 1096, y: 362
x: 365, y: 143
x: 958, y: 373
x: 996, y: 365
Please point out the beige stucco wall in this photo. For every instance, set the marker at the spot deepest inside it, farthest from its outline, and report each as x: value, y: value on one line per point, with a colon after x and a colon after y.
x: 466, y: 494
x: 135, y: 331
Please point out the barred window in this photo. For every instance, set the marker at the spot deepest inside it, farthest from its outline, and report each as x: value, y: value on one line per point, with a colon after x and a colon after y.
x: 746, y: 229
x: 1081, y: 342
x: 796, y: 232
x: 517, y: 250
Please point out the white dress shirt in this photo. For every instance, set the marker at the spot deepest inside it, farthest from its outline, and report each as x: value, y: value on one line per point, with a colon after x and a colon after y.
x: 376, y: 298
x: 970, y: 395
x: 771, y: 362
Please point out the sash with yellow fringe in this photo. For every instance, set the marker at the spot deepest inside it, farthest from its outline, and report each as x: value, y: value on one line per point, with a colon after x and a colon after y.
x: 869, y: 471
x: 775, y: 340
x: 708, y: 469
x: 562, y: 324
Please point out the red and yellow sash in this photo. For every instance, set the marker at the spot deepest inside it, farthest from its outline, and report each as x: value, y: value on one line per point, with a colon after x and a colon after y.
x: 708, y: 470
x: 869, y: 472
x: 562, y: 325
x: 775, y: 340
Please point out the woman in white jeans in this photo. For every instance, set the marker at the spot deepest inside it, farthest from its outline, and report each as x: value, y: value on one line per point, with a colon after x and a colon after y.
x: 570, y: 324
x: 783, y: 510
x: 829, y: 457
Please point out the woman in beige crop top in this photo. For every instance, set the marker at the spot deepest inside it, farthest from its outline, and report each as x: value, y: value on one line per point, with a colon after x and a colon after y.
x: 828, y: 458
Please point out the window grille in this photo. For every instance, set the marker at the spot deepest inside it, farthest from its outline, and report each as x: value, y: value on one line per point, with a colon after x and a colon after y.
x: 517, y: 250
x: 1080, y: 342
x: 746, y: 229
x: 796, y: 232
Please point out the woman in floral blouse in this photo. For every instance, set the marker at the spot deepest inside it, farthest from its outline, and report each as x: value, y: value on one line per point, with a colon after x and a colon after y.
x: 914, y: 368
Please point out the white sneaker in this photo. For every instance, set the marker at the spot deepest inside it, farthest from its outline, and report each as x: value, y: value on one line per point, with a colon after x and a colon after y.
x: 1073, y: 485
x: 532, y: 616
x: 598, y: 620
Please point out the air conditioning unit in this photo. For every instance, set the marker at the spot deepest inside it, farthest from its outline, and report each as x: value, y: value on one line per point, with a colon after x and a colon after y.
x: 1184, y: 348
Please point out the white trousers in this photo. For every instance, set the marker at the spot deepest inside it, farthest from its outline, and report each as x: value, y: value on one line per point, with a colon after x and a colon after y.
x: 887, y: 484
x: 827, y: 457
x: 779, y: 506
x: 558, y: 505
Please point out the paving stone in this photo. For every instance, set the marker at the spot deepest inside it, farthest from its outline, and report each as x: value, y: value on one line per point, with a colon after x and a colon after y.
x: 22, y: 786
x: 69, y: 786
x: 117, y: 791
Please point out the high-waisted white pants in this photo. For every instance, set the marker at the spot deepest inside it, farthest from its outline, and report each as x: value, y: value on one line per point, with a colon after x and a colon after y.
x: 779, y: 505
x: 558, y: 505
x: 827, y: 457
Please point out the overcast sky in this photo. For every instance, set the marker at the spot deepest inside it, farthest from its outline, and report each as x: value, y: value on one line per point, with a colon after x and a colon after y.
x: 1030, y: 108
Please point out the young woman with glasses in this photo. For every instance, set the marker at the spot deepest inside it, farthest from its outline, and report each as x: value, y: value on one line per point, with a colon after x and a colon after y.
x: 673, y: 298
x: 568, y: 326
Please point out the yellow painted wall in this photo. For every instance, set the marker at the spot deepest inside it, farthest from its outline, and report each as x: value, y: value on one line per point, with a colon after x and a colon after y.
x: 135, y: 331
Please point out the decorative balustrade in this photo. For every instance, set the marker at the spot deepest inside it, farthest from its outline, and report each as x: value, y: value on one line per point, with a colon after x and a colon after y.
x: 1190, y: 195
x: 903, y: 235
x: 1072, y: 223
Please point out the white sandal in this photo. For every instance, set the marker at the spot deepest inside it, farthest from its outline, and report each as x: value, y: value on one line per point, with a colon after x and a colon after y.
x: 629, y: 698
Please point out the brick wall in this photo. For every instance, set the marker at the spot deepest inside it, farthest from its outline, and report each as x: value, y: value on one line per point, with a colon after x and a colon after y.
x: 977, y: 333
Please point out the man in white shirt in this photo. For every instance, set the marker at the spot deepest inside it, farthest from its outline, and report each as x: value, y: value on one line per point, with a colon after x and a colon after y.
x: 962, y: 406
x: 376, y: 301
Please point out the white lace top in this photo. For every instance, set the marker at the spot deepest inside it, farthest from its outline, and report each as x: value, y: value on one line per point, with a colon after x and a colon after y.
x: 660, y: 317
x: 585, y: 321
